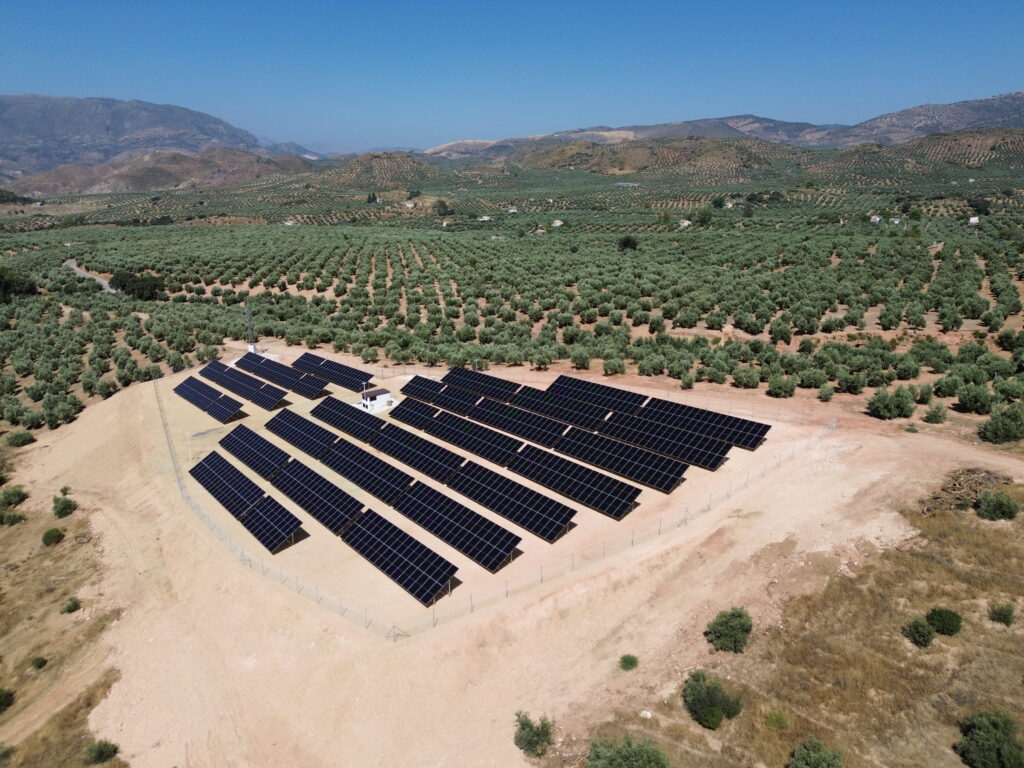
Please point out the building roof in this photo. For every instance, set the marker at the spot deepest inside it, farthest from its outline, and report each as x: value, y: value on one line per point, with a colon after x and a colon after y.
x: 373, y: 393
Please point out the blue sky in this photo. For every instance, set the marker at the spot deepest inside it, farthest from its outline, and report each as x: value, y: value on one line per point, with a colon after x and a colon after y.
x: 355, y: 75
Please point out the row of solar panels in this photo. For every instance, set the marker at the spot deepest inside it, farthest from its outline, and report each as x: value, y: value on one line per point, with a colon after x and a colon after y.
x: 629, y: 461
x: 587, y: 404
x: 308, y: 376
x: 412, y: 565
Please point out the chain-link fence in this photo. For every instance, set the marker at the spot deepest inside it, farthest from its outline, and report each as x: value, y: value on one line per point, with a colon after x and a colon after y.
x: 459, y: 603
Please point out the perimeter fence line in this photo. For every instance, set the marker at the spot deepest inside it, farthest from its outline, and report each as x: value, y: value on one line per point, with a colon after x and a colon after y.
x: 459, y: 603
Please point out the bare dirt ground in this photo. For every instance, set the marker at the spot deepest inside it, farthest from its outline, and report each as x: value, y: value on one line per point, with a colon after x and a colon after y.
x: 220, y: 666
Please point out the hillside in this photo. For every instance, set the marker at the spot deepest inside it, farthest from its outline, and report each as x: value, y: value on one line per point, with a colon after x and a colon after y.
x: 1005, y: 111
x: 160, y: 170
x: 38, y: 133
x: 379, y: 171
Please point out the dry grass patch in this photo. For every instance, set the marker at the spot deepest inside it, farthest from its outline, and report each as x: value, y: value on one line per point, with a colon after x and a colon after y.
x: 840, y: 668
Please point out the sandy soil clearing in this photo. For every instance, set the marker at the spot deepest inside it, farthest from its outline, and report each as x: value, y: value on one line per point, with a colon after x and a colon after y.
x: 223, y: 667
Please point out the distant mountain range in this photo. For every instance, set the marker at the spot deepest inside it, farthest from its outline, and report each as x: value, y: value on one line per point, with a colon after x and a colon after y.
x: 1005, y: 111
x: 54, y: 145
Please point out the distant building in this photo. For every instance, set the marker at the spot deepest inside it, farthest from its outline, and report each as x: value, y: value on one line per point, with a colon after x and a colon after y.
x: 974, y: 221
x: 876, y: 219
x: 626, y: 184
x: 539, y: 231
x: 484, y: 218
x: 894, y: 221
x: 409, y: 204
x: 289, y: 223
x: 728, y: 204
x: 557, y: 223
x: 376, y: 398
x: 685, y: 224
x: 513, y: 209
x: 551, y: 200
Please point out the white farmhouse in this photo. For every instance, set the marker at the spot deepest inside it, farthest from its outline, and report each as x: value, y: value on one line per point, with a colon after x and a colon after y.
x: 375, y: 398
x: 685, y: 224
x: 974, y: 221
x: 484, y: 218
x: 557, y: 223
x: 876, y: 219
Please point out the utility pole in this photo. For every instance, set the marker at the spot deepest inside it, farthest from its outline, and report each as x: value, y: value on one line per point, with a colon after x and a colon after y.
x: 248, y: 328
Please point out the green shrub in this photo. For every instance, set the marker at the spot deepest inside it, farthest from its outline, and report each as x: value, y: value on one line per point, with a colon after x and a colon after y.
x: 12, y: 496
x: 11, y: 518
x: 944, y: 621
x: 1005, y: 426
x: 812, y: 753
x: 38, y: 662
x: 890, y: 405
x: 100, y: 752
x: 730, y: 630
x: 6, y: 699
x: 71, y: 605
x: 1001, y: 613
x: 919, y: 632
x: 5, y: 752
x: 63, y: 506
x: 936, y: 414
x: 614, y: 365
x: 707, y: 702
x: 628, y: 754
x: 825, y: 392
x: 52, y: 536
x: 776, y: 721
x: 990, y: 741
x: 781, y: 386
x: 533, y: 738
x: 628, y: 662
x: 997, y: 505
x: 20, y: 438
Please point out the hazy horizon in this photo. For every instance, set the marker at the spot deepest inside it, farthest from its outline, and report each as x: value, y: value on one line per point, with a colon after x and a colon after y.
x: 340, y: 77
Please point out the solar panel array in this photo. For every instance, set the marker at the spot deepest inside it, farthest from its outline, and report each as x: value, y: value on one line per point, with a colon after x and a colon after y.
x: 731, y: 429
x: 658, y: 472
x: 688, y: 447
x: 257, y: 453
x: 302, y: 433
x: 350, y: 419
x: 321, y: 498
x: 431, y: 459
x: 305, y: 384
x: 375, y: 476
x: 481, y: 540
x: 261, y: 515
x: 560, y: 407
x: 525, y: 507
x: 475, y: 438
x: 488, y: 386
x: 610, y: 398
x: 415, y: 413
x: 336, y: 373
x: 415, y: 567
x: 242, y: 384
x: 529, y: 426
x: 594, y: 489
x: 206, y: 398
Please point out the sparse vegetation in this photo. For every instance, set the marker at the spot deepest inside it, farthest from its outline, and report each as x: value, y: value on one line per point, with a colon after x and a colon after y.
x: 812, y: 753
x: 997, y: 505
x: 533, y: 738
x: 6, y: 699
x: 1001, y: 613
x: 20, y: 437
x: 628, y: 661
x: 63, y: 506
x: 101, y: 751
x: 52, y: 537
x: 71, y: 605
x: 990, y: 740
x: 730, y: 630
x: 919, y: 632
x: 944, y: 621
x: 707, y: 701
x: 12, y: 496
x: 626, y: 754
x: 39, y: 662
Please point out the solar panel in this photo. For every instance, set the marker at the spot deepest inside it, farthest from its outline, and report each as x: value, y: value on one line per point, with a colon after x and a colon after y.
x: 422, y: 388
x: 321, y: 498
x: 305, y: 384
x: 429, y: 458
x: 206, y: 398
x: 629, y: 461
x: 257, y: 453
x: 474, y: 381
x: 235, y: 492
x: 567, y: 409
x: 456, y: 400
x: 334, y: 372
x: 302, y: 433
x: 416, y: 568
x: 264, y: 395
x: 529, y: 426
x: 533, y: 511
x: 270, y: 523
x: 688, y: 447
x: 742, y: 432
x: 610, y: 398
x: 414, y: 413
x: 479, y: 539
x: 475, y: 438
x: 370, y: 473
x: 606, y: 494
x: 350, y: 419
